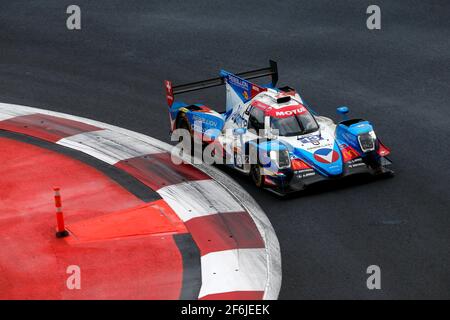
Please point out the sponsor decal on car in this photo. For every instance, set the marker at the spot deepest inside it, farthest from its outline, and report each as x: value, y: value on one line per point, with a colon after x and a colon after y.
x: 208, y: 122
x: 303, y: 175
x: 238, y: 82
x: 285, y: 111
x: 314, y: 139
x: 326, y: 155
x: 355, y: 163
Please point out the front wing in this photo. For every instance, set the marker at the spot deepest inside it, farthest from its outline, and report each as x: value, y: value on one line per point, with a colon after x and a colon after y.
x: 288, y: 181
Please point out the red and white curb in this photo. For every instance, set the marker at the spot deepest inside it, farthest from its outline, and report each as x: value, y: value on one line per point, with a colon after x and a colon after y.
x: 237, y: 259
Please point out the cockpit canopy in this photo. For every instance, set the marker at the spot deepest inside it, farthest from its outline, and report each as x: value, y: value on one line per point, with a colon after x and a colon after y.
x: 291, y: 120
x: 294, y: 125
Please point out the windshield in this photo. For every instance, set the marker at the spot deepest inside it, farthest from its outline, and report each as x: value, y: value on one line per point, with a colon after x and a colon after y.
x: 295, y: 125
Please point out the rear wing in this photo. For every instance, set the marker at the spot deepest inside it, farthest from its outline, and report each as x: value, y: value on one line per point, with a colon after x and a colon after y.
x: 172, y: 90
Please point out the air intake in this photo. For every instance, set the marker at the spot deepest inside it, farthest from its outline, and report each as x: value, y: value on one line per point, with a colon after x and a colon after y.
x: 283, y: 99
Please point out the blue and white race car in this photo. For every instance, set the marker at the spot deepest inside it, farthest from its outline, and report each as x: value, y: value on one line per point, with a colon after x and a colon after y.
x: 295, y: 146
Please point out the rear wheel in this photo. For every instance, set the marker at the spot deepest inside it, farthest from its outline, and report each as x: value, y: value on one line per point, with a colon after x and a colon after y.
x: 257, y: 176
x: 188, y: 144
x: 196, y: 145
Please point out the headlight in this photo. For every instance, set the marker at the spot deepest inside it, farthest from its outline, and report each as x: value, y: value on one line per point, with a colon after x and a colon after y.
x: 280, y: 158
x: 367, y: 141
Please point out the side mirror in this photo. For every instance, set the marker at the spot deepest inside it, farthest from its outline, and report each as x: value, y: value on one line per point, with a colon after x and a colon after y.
x: 239, y: 131
x: 343, y: 110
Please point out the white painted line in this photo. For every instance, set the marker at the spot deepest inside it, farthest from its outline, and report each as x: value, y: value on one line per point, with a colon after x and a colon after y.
x: 8, y: 111
x: 109, y: 146
x: 193, y: 199
x: 233, y: 270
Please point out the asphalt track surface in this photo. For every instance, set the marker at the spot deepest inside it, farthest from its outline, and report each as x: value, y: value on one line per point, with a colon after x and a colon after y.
x: 397, y: 77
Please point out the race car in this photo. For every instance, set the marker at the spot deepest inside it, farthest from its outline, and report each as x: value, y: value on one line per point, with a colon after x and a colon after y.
x: 295, y: 147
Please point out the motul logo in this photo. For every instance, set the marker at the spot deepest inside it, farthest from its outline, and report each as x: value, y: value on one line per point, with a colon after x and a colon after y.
x: 290, y: 112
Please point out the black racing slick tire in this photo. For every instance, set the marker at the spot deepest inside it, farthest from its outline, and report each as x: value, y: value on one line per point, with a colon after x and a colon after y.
x: 257, y: 176
x: 188, y: 144
x: 195, y: 150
